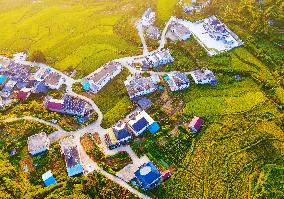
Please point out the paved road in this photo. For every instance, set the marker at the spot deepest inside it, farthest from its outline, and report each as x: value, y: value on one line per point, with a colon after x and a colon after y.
x: 163, y: 40
x: 140, y: 30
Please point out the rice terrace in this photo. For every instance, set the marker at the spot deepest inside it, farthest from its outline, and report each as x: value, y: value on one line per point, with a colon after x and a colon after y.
x: 142, y: 99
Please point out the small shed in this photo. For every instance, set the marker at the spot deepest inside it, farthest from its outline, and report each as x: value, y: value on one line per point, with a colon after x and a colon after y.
x: 24, y: 93
x: 3, y: 78
x: 195, y: 124
x: 154, y: 128
x: 48, y: 179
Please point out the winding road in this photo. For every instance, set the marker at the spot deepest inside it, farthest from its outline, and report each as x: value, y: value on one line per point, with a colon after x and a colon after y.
x: 89, y: 164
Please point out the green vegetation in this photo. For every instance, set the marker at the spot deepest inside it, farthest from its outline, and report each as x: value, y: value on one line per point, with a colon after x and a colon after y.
x: 239, y: 151
x: 113, y: 100
x: 112, y: 163
x: 16, y: 183
x: 270, y: 182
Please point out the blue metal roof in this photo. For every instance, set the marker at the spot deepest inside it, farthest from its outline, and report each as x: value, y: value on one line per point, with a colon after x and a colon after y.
x: 154, y: 128
x: 86, y: 86
x: 77, y: 169
x: 48, y: 178
x: 41, y: 87
x: 140, y: 124
x: 3, y: 78
x: 121, y: 134
x: 150, y: 179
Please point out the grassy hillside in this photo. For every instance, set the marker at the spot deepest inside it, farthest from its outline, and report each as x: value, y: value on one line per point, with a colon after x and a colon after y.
x: 77, y: 34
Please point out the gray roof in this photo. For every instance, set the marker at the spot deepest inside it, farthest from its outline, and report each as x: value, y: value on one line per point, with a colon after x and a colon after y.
x: 38, y: 141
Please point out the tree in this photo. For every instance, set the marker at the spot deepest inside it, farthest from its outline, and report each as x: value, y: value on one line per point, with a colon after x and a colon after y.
x: 38, y: 56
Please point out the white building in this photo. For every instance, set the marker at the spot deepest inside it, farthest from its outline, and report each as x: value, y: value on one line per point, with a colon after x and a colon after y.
x: 148, y: 18
x: 177, y: 81
x: 139, y: 86
x: 97, y: 80
x: 139, y: 123
x: 204, y: 76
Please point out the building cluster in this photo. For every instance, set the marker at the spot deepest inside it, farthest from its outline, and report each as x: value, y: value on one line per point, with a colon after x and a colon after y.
x: 147, y: 22
x: 98, y: 79
x: 219, y: 31
x: 39, y: 143
x: 134, y: 125
x: 70, y: 105
x: 18, y: 81
x: 178, y: 32
x: 153, y: 60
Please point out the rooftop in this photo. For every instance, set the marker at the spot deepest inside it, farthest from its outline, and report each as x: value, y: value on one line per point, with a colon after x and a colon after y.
x: 136, y: 86
x: 107, y: 70
x: 38, y: 142
x: 148, y: 175
x: 53, y: 78
x: 176, y: 80
x: 201, y: 75
x: 48, y: 178
x: 72, y: 157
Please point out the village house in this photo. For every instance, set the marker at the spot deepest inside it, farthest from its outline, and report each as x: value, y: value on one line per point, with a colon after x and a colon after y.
x: 195, y: 124
x: 153, y: 32
x: 204, y: 76
x: 148, y: 18
x: 38, y: 143
x: 118, y: 135
x: 41, y: 74
x: 8, y: 89
x: 139, y: 122
x: 24, y: 93
x: 178, y: 31
x: 69, y: 105
x: 148, y: 176
x: 97, y: 80
x: 72, y: 156
x: 18, y: 72
x: 54, y: 80
x: 154, y: 60
x: 4, y: 63
x: 138, y: 86
x: 177, y: 81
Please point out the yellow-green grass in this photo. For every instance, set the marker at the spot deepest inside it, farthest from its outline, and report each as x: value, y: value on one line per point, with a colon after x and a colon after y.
x: 165, y: 8
x: 231, y: 150
x: 77, y: 34
x: 223, y: 99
